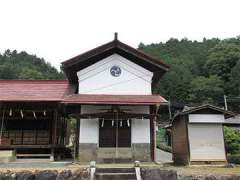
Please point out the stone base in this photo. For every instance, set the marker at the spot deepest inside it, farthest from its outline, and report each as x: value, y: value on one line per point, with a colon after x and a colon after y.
x: 141, y: 152
x: 113, y: 155
x: 87, y: 152
x: 91, y: 152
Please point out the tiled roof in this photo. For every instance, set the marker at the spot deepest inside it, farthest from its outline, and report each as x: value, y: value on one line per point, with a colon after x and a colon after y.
x: 113, y: 99
x: 59, y: 90
x: 33, y: 90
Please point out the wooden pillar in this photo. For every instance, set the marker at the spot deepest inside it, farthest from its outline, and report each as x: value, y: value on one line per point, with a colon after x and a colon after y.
x: 153, y: 110
x: 54, y: 133
x: 54, y: 127
x: 77, y: 138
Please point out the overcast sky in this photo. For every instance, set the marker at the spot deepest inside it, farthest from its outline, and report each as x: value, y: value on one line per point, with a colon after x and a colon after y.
x: 58, y: 30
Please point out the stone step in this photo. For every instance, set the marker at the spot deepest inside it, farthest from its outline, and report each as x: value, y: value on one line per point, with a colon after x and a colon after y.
x: 115, y: 160
x: 115, y: 170
x: 115, y: 176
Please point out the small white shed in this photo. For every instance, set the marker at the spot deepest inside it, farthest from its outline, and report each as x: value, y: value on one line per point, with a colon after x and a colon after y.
x: 198, y: 135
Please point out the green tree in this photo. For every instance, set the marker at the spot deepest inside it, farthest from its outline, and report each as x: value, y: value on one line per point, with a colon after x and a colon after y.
x: 31, y: 74
x: 7, y: 72
x: 206, y: 90
x: 14, y: 65
x: 234, y: 84
x: 175, y: 85
x: 223, y: 57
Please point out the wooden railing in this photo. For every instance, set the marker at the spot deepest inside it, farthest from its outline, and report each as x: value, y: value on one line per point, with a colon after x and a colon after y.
x: 25, y: 137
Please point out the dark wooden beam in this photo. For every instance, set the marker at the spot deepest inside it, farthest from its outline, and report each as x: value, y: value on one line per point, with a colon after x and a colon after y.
x: 153, y: 110
x: 77, y: 136
x: 110, y: 115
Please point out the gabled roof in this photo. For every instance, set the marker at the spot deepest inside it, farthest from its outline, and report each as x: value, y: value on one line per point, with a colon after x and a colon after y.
x: 206, y: 106
x: 88, y: 58
x: 33, y: 90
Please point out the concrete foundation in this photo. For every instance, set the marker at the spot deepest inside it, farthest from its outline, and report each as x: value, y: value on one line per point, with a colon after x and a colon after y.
x: 141, y: 152
x: 87, y: 152
x: 91, y: 152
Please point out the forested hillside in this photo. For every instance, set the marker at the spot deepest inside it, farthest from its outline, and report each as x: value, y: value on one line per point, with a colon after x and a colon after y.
x: 201, y: 72
x: 21, y: 65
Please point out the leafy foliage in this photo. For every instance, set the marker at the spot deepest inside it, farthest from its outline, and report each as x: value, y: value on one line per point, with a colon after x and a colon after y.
x: 14, y: 65
x: 232, y: 140
x: 206, y: 89
x: 234, y: 158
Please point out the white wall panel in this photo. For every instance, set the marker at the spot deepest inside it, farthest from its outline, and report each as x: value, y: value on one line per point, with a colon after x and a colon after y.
x: 206, y: 142
x: 89, y: 128
x: 206, y: 118
x: 88, y: 131
x: 141, y: 128
x: 97, y: 79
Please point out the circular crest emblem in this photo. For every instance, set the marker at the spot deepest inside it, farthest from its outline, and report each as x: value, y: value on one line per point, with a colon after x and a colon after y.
x: 115, y: 71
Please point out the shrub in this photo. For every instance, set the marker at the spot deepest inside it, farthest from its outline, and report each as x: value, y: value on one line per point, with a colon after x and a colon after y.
x: 232, y: 140
x: 234, y: 158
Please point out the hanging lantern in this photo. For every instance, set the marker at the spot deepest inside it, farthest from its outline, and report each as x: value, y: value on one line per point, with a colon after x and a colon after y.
x: 121, y: 123
x: 21, y: 112
x: 44, y: 113
x: 112, y: 122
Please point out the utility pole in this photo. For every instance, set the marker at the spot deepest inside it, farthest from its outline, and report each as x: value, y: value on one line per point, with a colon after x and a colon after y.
x: 225, y: 102
x: 169, y: 109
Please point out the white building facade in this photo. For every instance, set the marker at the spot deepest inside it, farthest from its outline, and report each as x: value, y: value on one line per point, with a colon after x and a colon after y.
x: 117, y: 111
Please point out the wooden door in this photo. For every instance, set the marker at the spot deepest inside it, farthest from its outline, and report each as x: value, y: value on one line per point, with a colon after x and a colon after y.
x: 114, y: 135
x: 124, y: 134
x: 107, y: 134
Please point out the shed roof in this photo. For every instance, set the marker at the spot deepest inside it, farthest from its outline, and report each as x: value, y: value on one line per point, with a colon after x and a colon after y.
x: 205, y: 106
x: 113, y: 99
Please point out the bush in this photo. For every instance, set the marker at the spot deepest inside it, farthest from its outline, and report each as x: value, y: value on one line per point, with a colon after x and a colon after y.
x: 232, y: 140
x: 235, y: 158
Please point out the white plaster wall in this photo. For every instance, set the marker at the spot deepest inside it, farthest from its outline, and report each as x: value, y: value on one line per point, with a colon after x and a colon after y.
x: 141, y: 128
x: 96, y: 79
x: 89, y: 128
x: 88, y: 131
x: 206, y: 118
x: 206, y: 142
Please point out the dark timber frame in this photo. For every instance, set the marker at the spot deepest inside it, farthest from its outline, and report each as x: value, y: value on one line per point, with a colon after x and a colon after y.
x: 51, y: 137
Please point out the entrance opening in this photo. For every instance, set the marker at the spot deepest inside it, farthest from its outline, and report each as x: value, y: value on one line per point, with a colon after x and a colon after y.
x: 114, y: 133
